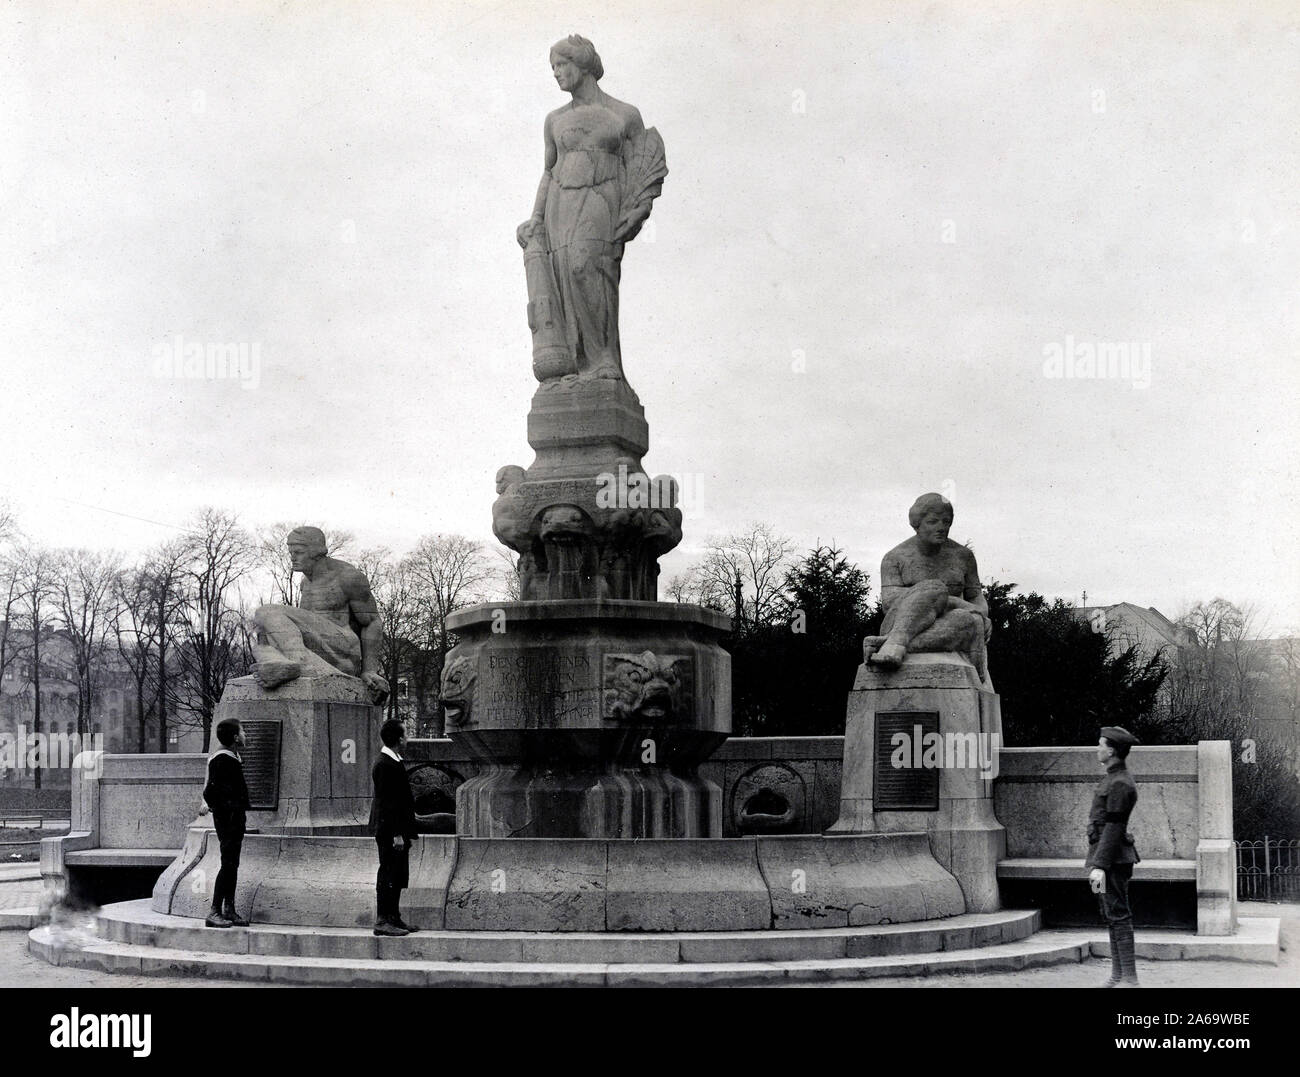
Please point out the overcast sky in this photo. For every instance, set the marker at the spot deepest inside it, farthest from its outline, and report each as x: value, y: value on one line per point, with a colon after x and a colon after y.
x: 882, y: 223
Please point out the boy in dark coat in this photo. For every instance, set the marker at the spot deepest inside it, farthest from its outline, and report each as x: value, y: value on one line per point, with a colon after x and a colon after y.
x: 226, y: 795
x: 393, y: 818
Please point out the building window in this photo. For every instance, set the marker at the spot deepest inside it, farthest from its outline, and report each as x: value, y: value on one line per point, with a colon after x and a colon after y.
x: 173, y: 737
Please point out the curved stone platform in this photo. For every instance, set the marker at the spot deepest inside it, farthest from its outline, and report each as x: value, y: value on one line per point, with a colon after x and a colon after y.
x: 131, y: 938
x: 795, y: 882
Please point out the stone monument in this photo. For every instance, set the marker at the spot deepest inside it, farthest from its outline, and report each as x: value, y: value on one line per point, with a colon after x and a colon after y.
x: 335, y: 627
x: 587, y: 704
x: 592, y: 701
x: 311, y: 709
x: 931, y: 590
x: 924, y: 724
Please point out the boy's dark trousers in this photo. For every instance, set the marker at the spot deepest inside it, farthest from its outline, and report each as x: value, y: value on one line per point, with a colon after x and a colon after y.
x: 230, y: 826
x: 393, y: 876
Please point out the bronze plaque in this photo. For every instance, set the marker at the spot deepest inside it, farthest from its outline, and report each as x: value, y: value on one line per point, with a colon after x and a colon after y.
x: 261, y: 756
x: 910, y: 786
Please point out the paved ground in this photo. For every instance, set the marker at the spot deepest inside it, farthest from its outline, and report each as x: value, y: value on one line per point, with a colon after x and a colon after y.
x: 19, y: 969
x: 1286, y: 973
x: 20, y: 895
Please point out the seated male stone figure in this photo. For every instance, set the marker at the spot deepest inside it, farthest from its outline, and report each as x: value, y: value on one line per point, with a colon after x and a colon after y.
x: 335, y: 627
x: 930, y: 586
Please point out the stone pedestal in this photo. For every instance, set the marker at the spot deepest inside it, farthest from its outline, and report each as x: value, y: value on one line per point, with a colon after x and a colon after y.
x: 311, y: 747
x: 1216, y: 854
x: 915, y: 743
x: 592, y: 716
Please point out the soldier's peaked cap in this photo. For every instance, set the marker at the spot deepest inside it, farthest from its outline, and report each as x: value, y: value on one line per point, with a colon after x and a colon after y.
x: 1117, y: 734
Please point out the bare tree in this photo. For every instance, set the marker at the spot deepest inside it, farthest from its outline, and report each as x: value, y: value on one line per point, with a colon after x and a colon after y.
x: 505, y: 577
x: 136, y: 637
x: 84, y: 599
x: 167, y: 587
x: 213, y: 645
x: 1220, y: 668
x: 12, y: 645
x: 757, y: 559
x: 272, y: 550
x: 682, y: 588
x: 449, y: 572
x: 146, y: 606
x: 395, y: 593
x: 37, y: 587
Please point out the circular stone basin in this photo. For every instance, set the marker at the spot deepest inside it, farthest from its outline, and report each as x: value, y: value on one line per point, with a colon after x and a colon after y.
x: 476, y: 884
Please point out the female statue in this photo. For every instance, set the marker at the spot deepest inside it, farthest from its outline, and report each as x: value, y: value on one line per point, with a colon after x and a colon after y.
x: 603, y: 170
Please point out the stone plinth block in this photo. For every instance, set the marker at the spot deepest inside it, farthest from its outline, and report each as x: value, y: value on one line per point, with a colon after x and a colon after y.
x: 310, y: 752
x: 580, y: 428
x: 685, y: 886
x: 944, y: 721
x: 528, y: 885
x: 591, y: 717
x: 585, y: 518
x: 853, y: 881
x: 1216, y: 863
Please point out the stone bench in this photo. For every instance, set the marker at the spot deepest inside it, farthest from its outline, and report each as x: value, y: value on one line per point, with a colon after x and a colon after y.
x: 1182, y: 825
x: 126, y: 824
x: 1074, y: 871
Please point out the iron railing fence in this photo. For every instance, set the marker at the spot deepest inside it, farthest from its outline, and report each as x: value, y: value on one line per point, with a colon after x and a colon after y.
x: 1268, y: 869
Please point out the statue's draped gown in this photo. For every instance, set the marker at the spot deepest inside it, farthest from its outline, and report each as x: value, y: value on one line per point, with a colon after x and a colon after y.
x: 582, y: 212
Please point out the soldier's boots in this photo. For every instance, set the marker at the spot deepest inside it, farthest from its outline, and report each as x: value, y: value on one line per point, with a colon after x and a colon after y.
x: 1127, y: 950
x: 1116, y: 972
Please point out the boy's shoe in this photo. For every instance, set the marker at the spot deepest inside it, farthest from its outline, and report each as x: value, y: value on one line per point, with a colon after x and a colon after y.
x: 235, y: 919
x: 387, y: 929
x: 410, y: 929
x: 216, y: 919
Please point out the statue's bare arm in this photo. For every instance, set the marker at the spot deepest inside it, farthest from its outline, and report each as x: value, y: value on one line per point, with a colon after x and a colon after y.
x: 892, y: 586
x: 972, y: 593
x: 552, y: 154
x: 365, y: 612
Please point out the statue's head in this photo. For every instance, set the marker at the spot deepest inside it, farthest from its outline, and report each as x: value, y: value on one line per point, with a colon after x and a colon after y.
x: 508, y: 476
x: 581, y: 53
x: 931, y: 516
x: 306, y: 547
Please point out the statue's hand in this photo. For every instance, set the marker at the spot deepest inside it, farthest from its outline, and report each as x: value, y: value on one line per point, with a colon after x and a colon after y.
x: 525, y: 231
x: 377, y: 686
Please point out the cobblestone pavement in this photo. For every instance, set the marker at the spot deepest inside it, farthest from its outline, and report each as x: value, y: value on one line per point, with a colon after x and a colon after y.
x: 20, y: 895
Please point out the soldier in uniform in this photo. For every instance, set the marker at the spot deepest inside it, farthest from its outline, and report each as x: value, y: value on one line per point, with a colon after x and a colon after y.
x: 1111, y: 853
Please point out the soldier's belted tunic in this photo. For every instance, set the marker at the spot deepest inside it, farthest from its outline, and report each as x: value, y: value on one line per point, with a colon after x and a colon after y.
x: 1110, y: 846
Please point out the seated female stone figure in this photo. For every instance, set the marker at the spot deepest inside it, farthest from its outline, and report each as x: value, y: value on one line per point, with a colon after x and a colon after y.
x: 931, y: 590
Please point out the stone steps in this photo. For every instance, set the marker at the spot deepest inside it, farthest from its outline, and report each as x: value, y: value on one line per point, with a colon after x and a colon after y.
x: 564, y: 966
x: 134, y: 923
x: 130, y: 938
